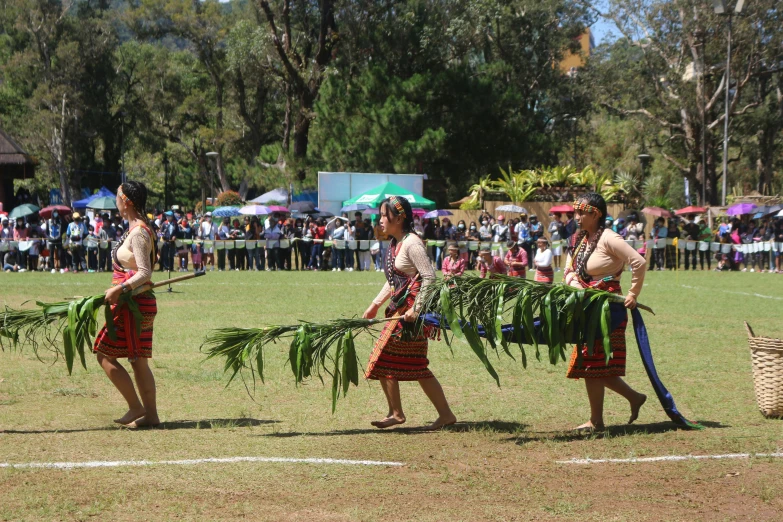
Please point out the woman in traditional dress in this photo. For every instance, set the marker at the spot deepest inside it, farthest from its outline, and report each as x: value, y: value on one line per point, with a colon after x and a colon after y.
x: 400, y: 353
x: 543, y: 262
x: 453, y: 265
x: 132, y: 260
x: 597, y: 261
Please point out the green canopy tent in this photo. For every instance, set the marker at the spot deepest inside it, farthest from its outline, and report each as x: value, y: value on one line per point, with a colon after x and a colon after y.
x: 373, y: 197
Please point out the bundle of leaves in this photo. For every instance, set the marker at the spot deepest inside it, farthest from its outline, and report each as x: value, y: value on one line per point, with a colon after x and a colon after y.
x: 77, y: 320
x: 553, y: 315
x: 310, y: 350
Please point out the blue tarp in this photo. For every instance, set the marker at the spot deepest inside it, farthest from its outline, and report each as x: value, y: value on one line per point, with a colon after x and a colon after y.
x: 307, y: 195
x: 82, y: 203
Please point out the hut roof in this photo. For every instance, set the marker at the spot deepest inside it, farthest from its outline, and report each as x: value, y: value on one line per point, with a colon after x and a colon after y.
x: 11, y: 153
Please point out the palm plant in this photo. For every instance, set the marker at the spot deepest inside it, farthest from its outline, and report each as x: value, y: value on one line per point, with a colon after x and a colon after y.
x: 515, y: 185
x: 477, y: 193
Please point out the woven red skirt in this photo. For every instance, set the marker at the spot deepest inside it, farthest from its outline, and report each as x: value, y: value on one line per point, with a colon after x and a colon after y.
x: 129, y: 344
x: 400, y: 352
x: 596, y: 365
x: 545, y: 274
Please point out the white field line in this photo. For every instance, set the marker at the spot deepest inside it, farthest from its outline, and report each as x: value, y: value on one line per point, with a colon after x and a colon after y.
x: 777, y: 298
x: 672, y: 458
x: 189, y: 462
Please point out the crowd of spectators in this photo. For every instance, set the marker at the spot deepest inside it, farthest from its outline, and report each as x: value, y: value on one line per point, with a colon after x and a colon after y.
x: 77, y: 243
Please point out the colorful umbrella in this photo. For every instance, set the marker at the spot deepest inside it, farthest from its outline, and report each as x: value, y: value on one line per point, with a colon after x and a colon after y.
x: 657, y: 211
x: 512, y: 208
x: 255, y: 210
x: 690, y: 210
x: 46, y: 212
x: 23, y: 210
x: 437, y: 213
x: 562, y: 208
x: 740, y: 209
x: 419, y: 212
x: 354, y: 207
x: 277, y: 208
x: 103, y: 203
x: 780, y: 214
x: 226, y: 212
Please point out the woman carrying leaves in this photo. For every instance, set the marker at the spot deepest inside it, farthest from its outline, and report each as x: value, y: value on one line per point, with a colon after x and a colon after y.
x: 132, y: 260
x: 597, y: 261
x: 400, y: 353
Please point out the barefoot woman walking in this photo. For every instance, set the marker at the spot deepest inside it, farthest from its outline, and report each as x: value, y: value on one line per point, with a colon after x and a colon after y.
x: 597, y: 261
x: 401, y: 351
x: 132, y: 260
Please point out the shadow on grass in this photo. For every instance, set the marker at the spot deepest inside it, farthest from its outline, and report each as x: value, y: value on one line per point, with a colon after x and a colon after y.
x: 460, y: 427
x: 610, y: 432
x: 205, y: 424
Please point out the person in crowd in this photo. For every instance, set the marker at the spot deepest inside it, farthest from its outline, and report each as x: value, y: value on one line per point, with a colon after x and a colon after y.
x: 236, y: 256
x: 535, y: 231
x: 570, y: 227
x: 382, y: 238
x: 168, y: 233
x: 21, y: 233
x: 252, y: 235
x: 777, y: 235
x: 515, y: 260
x: 430, y: 228
x: 104, y: 244
x: 671, y: 250
x: 461, y: 237
x: 692, y: 232
x: 91, y: 246
x: 659, y: 235
x: 598, y: 261
x: 363, y: 235
x: 302, y: 244
x: 184, y: 234
x: 747, y: 233
x: 725, y: 227
x: 133, y: 260
x: 723, y: 265
x: 223, y: 233
x: 418, y: 227
x: 401, y: 351
x: 543, y: 262
x: 337, y: 233
x: 35, y: 248
x: 453, y: 265
x: 54, y: 241
x: 77, y: 231
x: 500, y: 235
x: 11, y: 261
x: 472, y: 235
x: 635, y: 228
x: 318, y: 230
x: 489, y: 265
x: 556, y: 231
x: 206, y: 232
x: 485, y: 231
x: 288, y: 233
x: 7, y: 233
x: 706, y: 235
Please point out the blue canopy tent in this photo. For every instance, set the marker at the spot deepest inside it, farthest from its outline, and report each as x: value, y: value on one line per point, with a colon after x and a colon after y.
x: 82, y: 203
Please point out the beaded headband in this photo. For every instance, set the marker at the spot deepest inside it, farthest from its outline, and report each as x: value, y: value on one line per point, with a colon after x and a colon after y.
x: 125, y: 199
x: 585, y: 207
x: 394, y: 200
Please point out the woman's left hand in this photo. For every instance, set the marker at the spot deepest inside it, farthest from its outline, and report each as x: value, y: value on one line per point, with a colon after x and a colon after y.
x: 113, y: 295
x: 630, y: 301
x: 411, y: 316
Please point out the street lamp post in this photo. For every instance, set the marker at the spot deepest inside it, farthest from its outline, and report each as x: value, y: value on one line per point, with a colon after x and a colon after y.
x: 211, y: 179
x: 721, y: 9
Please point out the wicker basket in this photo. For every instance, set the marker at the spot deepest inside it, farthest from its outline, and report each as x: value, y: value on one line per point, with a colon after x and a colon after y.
x: 767, y: 356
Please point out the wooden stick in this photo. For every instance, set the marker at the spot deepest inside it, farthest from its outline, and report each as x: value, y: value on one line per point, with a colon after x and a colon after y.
x: 150, y: 285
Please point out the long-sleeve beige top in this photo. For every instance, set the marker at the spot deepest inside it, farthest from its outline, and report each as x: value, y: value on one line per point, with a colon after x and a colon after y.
x: 611, y: 255
x: 412, y: 259
x: 134, y: 254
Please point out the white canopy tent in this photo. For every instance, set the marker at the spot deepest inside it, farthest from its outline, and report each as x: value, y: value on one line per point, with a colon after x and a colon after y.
x: 280, y: 196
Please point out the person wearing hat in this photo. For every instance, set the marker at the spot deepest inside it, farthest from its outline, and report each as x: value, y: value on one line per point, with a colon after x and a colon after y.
x: 76, y: 233
x: 515, y: 260
x: 500, y: 235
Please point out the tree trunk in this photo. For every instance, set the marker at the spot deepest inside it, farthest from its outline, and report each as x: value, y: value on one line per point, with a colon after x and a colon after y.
x: 301, y: 133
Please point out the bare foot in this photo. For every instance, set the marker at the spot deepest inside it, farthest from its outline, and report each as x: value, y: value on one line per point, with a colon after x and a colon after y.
x: 144, y: 422
x: 131, y: 416
x: 388, y: 422
x: 441, y: 423
x: 589, y: 427
x: 636, y: 406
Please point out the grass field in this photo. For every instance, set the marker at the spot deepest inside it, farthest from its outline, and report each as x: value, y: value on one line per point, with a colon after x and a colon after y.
x: 497, y: 463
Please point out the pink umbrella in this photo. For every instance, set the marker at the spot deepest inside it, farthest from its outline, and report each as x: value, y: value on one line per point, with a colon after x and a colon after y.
x: 657, y: 211
x: 691, y: 210
x: 419, y: 212
x: 559, y: 209
x: 277, y: 208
